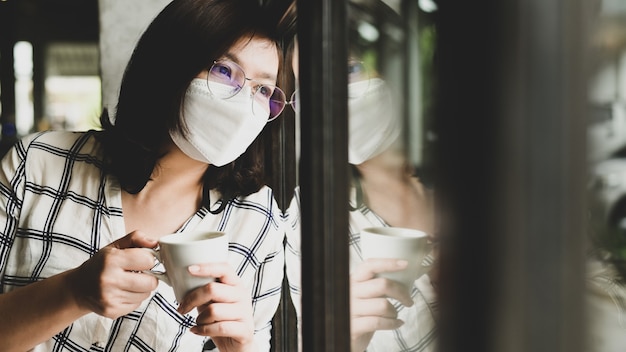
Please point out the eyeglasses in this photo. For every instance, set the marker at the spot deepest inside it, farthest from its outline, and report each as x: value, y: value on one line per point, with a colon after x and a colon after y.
x: 356, y: 72
x: 226, y: 79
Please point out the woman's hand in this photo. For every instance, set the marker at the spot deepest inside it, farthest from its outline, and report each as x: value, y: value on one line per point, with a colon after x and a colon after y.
x: 224, y: 308
x: 370, y: 309
x: 111, y: 283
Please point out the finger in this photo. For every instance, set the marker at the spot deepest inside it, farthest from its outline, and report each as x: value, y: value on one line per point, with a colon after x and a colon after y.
x: 380, y: 307
x: 128, y: 281
x: 222, y: 272
x: 216, y: 312
x: 370, y: 267
x: 382, y: 287
x: 114, y: 302
x: 210, y: 293
x: 140, y: 282
x: 363, y: 325
x: 135, y: 239
x: 237, y: 330
x: 131, y: 259
x: 132, y: 298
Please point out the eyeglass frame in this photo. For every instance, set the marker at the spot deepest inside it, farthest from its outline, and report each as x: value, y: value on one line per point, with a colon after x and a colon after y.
x: 255, y: 88
x: 292, y: 99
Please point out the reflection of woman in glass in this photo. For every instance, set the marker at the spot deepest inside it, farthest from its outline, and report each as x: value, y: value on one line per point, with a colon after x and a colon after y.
x: 385, y: 193
x: 385, y: 315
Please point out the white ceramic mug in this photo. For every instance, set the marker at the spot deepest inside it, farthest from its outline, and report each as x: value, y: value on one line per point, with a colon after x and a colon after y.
x: 180, y: 250
x: 397, y: 243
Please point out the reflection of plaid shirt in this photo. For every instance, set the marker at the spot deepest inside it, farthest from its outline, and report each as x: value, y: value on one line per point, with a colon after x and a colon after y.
x: 419, y: 330
x: 57, y: 209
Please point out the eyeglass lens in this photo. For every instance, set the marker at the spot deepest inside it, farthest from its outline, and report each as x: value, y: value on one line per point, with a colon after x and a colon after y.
x: 357, y: 73
x: 226, y: 79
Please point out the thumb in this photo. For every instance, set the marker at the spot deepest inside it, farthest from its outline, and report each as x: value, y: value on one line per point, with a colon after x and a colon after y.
x: 135, y: 239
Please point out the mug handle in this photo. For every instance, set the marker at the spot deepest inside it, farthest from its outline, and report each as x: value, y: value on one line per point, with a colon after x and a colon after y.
x: 161, y: 275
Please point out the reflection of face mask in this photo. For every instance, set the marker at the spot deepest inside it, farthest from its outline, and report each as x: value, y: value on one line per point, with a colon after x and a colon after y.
x: 373, y: 124
x: 219, y: 130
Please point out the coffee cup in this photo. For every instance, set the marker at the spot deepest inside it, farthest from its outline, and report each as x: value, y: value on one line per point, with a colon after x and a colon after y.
x: 180, y: 250
x: 397, y: 243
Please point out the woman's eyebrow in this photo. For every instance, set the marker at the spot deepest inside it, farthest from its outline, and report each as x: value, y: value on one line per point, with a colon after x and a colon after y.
x: 264, y: 75
x: 232, y: 57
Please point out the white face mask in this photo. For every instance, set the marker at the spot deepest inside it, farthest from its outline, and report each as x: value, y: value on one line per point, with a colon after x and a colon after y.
x: 373, y: 122
x: 219, y: 130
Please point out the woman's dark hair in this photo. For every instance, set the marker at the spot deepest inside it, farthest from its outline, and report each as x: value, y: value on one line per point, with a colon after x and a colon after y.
x: 184, y: 39
x: 288, y: 24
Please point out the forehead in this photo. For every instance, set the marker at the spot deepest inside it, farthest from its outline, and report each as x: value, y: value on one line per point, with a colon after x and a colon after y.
x: 258, y: 56
x: 253, y: 43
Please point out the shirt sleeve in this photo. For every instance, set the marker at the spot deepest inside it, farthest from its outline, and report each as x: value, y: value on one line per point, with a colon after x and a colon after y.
x: 12, y: 183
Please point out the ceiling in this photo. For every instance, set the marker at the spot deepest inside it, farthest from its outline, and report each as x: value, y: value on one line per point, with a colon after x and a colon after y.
x: 55, y: 20
x: 65, y: 32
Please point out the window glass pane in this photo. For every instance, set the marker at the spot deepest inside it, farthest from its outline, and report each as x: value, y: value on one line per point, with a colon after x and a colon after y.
x: 390, y: 102
x: 607, y: 184
x: 72, y: 87
x: 23, y: 66
x: 391, y: 197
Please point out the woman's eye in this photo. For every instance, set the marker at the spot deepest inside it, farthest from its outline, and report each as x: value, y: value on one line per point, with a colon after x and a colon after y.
x: 265, y: 91
x: 222, y: 71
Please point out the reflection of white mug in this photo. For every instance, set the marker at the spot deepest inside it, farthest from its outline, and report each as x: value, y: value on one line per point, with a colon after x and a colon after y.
x: 180, y: 250
x: 397, y: 243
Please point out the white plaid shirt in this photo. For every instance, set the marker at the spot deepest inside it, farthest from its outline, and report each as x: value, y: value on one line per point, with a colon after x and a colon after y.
x: 57, y: 208
x: 419, y: 330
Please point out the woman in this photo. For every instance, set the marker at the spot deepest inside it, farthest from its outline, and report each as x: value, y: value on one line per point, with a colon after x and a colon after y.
x: 182, y: 153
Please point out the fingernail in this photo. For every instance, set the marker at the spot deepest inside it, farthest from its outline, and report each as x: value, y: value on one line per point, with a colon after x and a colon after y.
x: 194, y: 268
x: 402, y: 263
